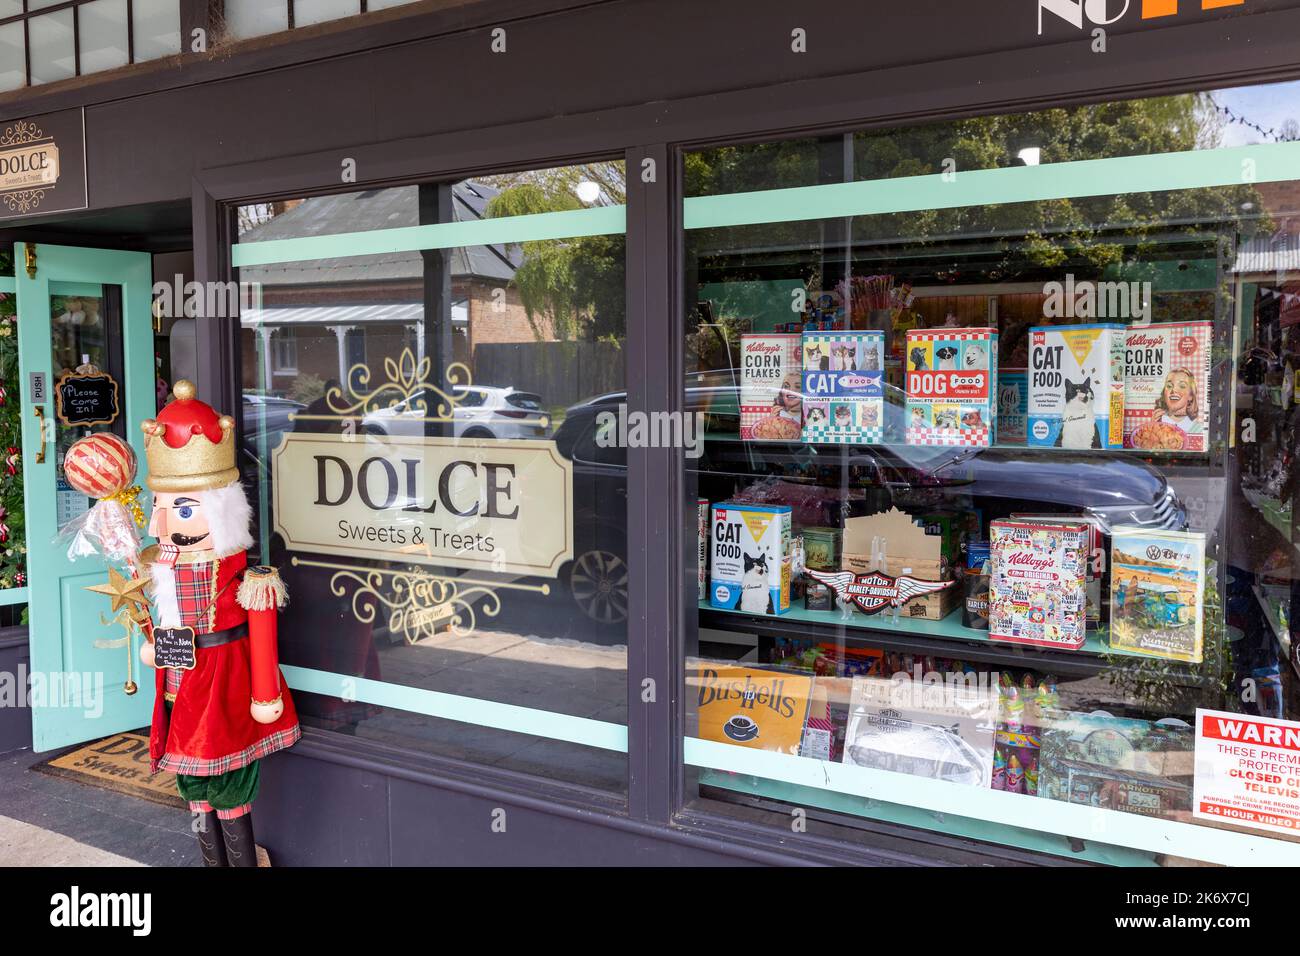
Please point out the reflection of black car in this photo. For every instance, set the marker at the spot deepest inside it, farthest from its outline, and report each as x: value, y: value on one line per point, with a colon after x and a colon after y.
x: 1116, y: 488
x: 266, y: 418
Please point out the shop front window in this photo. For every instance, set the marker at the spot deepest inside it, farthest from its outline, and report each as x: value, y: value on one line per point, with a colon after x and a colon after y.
x: 416, y: 372
x: 995, y: 527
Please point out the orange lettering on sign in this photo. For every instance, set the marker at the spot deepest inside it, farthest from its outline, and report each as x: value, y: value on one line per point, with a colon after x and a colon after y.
x: 1168, y: 8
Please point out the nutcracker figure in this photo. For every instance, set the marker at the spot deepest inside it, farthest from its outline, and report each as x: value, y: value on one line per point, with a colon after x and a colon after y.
x: 221, y: 701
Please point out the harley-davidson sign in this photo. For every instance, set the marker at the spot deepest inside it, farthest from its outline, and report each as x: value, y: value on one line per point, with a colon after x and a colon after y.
x: 459, y: 503
x: 875, y: 591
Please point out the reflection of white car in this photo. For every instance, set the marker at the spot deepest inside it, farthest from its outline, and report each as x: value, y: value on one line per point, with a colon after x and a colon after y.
x: 905, y: 746
x: 482, y: 411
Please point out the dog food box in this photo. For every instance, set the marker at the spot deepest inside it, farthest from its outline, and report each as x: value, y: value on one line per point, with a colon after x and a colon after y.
x: 750, y: 558
x: 771, y: 398
x: 1167, y: 386
x: 1013, y: 406
x: 1076, y: 386
x: 843, y: 387
x: 951, y: 384
x: 1038, y: 582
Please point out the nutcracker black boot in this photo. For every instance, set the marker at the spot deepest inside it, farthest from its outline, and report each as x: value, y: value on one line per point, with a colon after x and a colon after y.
x: 211, y: 845
x: 240, y: 848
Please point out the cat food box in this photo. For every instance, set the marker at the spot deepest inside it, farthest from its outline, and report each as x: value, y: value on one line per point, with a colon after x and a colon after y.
x: 1038, y: 583
x: 843, y: 387
x: 750, y: 558
x: 1157, y: 593
x: 1076, y: 386
x: 951, y: 384
x: 1167, y: 386
x: 771, y: 399
x: 1013, y: 406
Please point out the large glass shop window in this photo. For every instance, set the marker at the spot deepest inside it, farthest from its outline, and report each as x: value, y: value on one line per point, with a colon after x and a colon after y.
x: 994, y: 511
x: 418, y: 436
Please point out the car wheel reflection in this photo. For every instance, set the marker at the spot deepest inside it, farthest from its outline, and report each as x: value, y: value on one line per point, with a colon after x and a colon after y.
x: 598, y: 581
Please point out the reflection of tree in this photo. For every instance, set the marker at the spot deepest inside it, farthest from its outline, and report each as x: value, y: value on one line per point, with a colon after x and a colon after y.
x: 573, y: 288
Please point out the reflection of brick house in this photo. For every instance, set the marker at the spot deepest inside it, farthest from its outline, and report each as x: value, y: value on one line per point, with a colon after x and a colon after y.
x: 322, y: 317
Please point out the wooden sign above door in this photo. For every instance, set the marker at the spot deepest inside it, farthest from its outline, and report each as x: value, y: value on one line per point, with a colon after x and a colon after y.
x: 87, y: 397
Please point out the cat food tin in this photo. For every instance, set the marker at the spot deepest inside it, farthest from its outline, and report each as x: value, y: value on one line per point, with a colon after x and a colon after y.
x: 1076, y: 386
x: 843, y: 387
x: 750, y: 551
x: 952, y: 382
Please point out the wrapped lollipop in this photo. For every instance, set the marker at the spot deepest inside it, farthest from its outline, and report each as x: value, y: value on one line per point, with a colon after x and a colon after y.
x: 103, y: 466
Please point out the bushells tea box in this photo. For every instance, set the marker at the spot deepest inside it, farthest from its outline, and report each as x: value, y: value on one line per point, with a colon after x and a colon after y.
x: 1037, y: 583
x: 1013, y: 406
x: 1167, y: 386
x: 750, y: 566
x: 843, y: 387
x: 951, y: 383
x: 1076, y: 386
x: 1157, y: 592
x: 771, y: 402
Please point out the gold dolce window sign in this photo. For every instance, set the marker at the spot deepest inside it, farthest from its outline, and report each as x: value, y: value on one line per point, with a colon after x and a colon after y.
x: 29, y: 163
x: 495, y: 505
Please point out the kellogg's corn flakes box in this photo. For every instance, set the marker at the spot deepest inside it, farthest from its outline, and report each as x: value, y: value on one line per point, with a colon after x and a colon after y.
x: 1167, y: 386
x: 771, y: 388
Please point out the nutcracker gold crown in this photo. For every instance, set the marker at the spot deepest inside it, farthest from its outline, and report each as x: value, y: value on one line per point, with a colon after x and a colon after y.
x: 189, y: 447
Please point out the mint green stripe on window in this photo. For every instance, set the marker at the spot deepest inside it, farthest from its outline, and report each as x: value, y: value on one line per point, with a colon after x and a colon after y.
x: 572, y: 224
x: 468, y: 710
x: 1194, y: 169
x: 994, y: 806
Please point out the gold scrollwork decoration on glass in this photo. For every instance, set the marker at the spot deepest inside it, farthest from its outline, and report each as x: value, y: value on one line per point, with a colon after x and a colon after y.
x: 419, y: 603
x: 24, y: 200
x: 24, y: 131
x: 409, y: 384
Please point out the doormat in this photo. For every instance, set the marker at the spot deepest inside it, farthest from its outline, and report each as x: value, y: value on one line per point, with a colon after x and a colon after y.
x: 119, y: 763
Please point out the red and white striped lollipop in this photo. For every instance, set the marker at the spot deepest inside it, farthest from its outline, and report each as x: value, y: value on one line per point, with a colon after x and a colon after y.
x: 99, y: 465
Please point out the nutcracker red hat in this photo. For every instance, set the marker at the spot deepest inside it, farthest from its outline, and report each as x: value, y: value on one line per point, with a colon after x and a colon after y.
x: 189, y: 447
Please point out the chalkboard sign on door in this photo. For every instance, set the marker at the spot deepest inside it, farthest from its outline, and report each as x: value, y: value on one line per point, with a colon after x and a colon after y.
x: 87, y: 398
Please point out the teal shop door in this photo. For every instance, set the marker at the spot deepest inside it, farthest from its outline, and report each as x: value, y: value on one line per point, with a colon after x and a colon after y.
x: 81, y: 307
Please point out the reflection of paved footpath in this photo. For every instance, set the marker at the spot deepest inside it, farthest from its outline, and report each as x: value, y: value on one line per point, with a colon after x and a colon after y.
x: 50, y: 821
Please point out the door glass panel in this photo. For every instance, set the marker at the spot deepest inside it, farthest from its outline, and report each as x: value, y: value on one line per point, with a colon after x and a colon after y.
x: 85, y: 329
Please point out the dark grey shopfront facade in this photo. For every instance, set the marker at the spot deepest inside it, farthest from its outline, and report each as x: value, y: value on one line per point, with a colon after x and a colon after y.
x: 173, y: 147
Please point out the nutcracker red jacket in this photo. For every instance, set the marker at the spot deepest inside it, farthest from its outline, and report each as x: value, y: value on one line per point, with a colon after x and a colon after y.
x: 209, y: 729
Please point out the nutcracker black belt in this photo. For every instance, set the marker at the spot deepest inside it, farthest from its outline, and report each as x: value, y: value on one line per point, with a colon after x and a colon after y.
x: 217, y: 638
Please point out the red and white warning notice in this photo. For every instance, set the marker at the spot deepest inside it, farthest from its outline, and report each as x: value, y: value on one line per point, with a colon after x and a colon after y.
x: 1247, y: 771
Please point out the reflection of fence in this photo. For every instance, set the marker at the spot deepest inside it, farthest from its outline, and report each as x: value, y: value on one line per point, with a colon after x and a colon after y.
x: 562, y: 373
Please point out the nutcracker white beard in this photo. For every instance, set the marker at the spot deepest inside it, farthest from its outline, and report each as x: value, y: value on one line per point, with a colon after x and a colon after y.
x: 229, y: 518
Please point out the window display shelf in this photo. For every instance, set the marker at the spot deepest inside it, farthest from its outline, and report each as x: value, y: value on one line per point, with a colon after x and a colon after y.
x: 1198, y: 457
x: 945, y: 638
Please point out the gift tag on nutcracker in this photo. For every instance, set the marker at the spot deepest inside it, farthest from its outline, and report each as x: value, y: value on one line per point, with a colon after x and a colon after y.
x: 173, y: 647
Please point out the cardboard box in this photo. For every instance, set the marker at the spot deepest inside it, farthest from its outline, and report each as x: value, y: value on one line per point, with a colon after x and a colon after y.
x: 929, y: 546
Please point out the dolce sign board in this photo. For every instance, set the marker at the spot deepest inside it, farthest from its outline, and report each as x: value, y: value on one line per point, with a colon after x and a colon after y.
x: 459, y: 503
x: 43, y: 164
